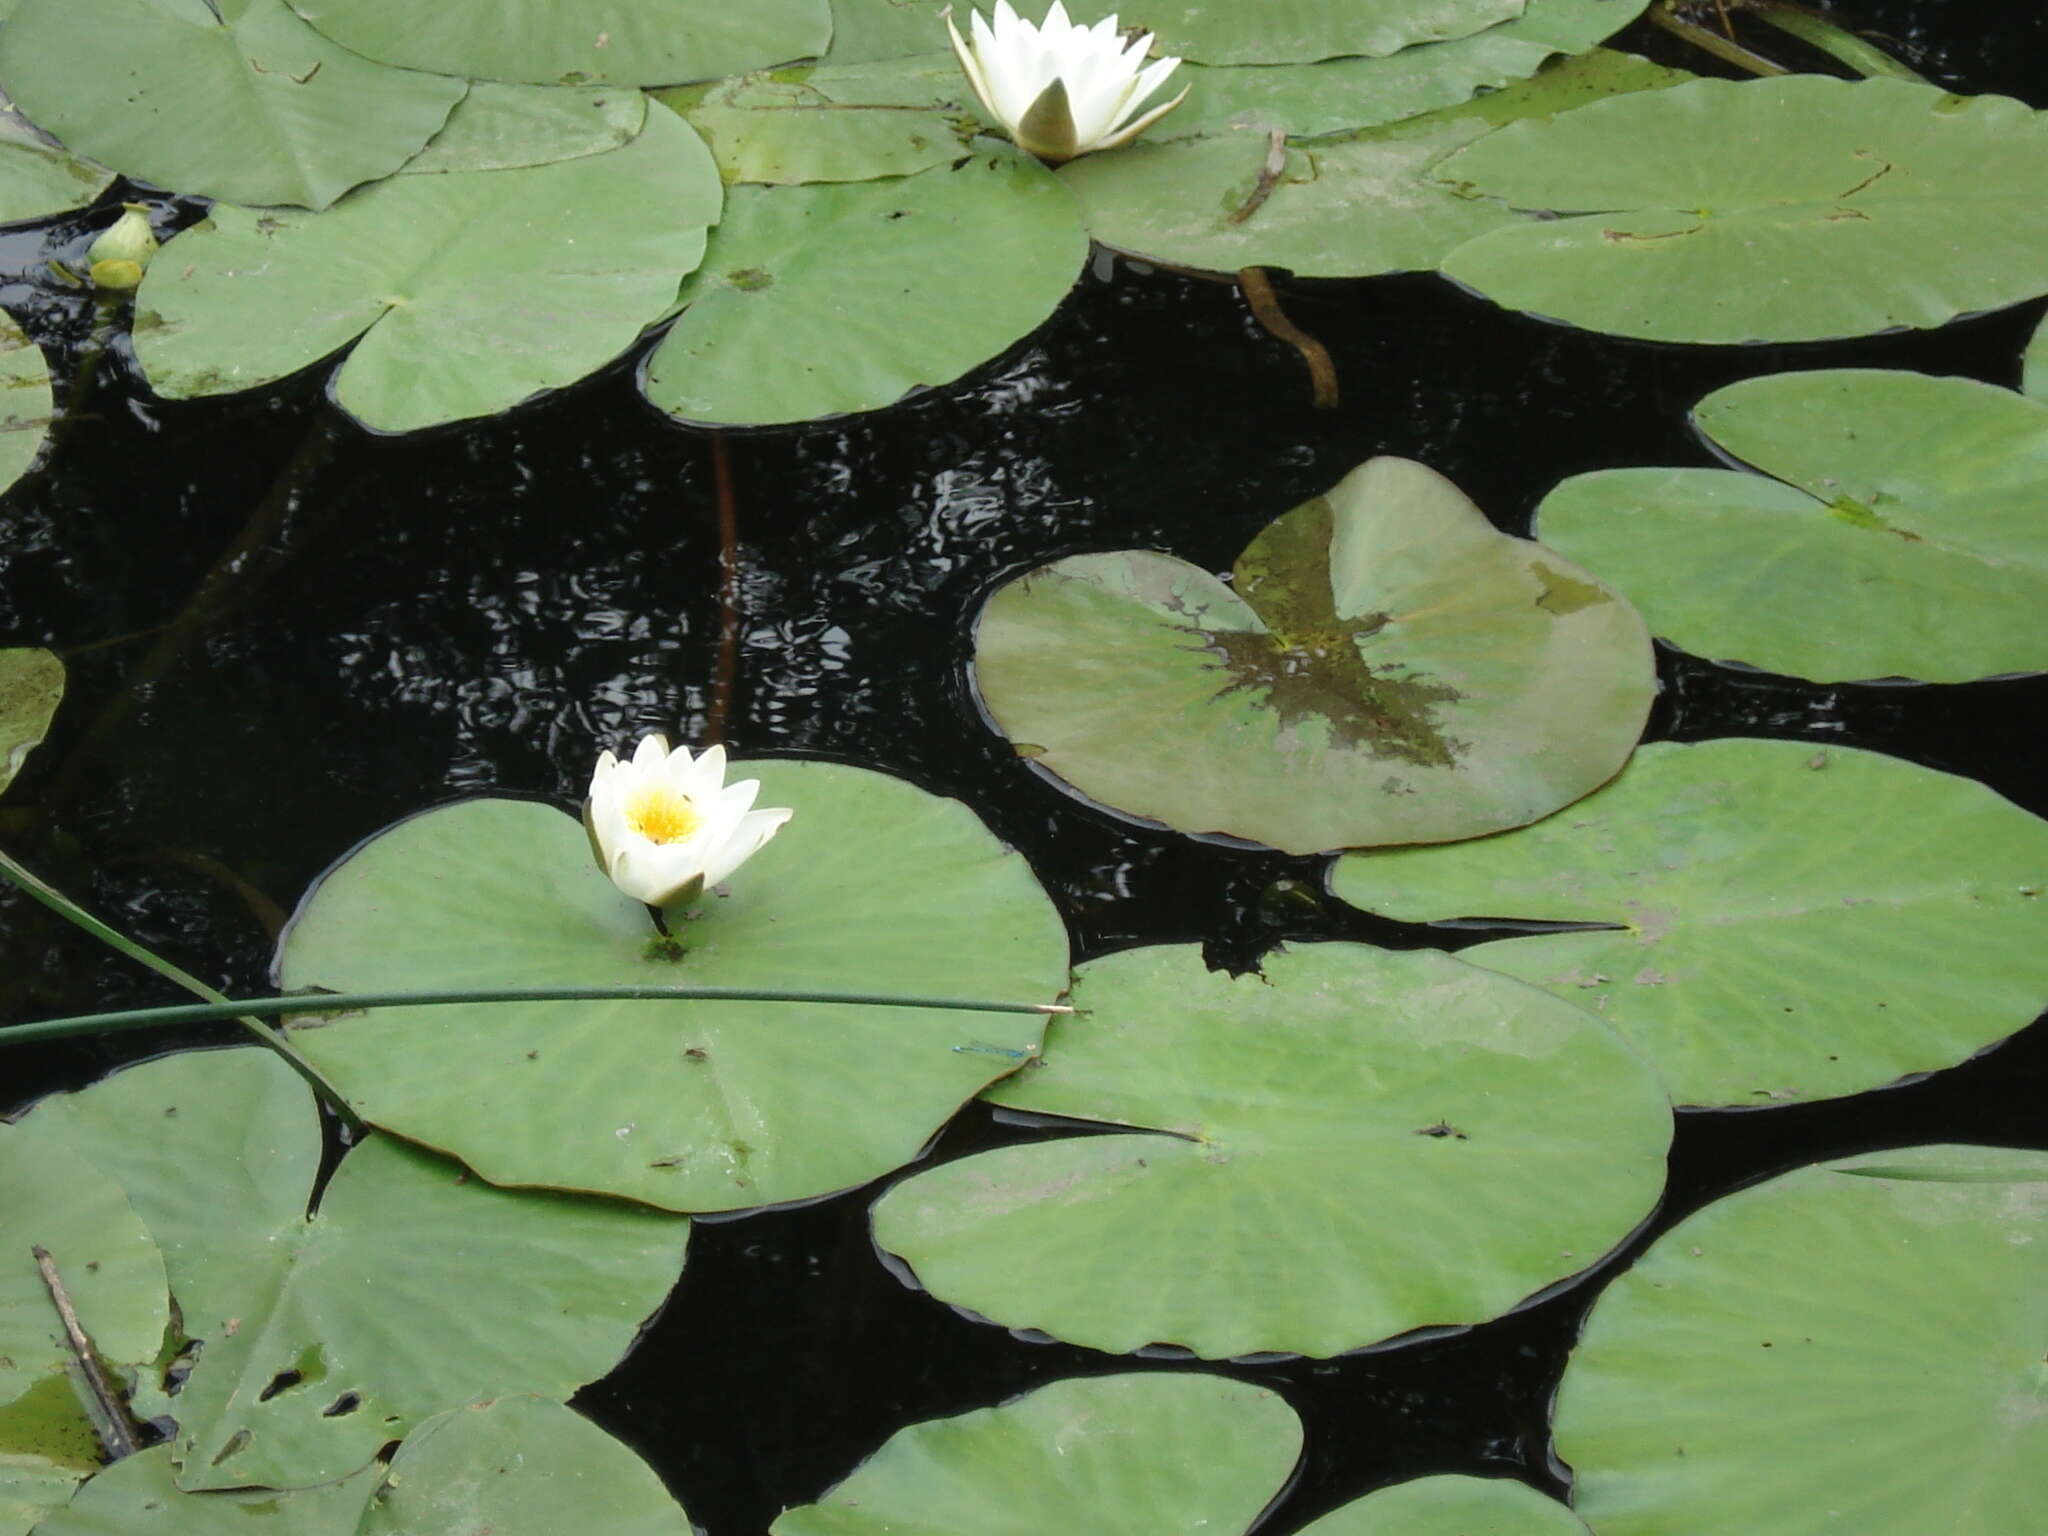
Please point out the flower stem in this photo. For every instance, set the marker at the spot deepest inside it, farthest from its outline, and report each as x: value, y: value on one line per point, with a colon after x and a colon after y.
x: 1815, y: 29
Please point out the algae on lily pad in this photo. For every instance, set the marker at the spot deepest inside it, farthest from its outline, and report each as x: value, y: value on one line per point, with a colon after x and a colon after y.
x: 1410, y: 1141
x: 501, y: 127
x: 1129, y: 1455
x: 1451, y: 1505
x: 1855, y: 1346
x: 37, y: 178
x: 1902, y: 536
x: 876, y: 886
x: 234, y: 99
x: 31, y: 687
x: 1776, y: 920
x: 1789, y: 209
x: 1385, y: 667
x: 470, y: 291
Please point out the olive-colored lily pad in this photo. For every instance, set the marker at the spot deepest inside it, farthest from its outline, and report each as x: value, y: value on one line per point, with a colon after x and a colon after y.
x: 502, y: 127
x: 834, y: 124
x: 587, y: 42
x: 31, y: 688
x: 875, y: 886
x: 471, y: 291
x: 1451, y: 1505
x: 24, y: 415
x: 1902, y: 536
x: 247, y: 104
x: 1879, y: 203
x: 1789, y: 921
x: 1385, y: 668
x: 1410, y: 1141
x: 37, y: 178
x: 1855, y: 1346
x: 1132, y: 1455
x: 822, y: 299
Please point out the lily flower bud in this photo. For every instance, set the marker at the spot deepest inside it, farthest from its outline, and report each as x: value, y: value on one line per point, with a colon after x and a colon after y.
x: 123, y: 250
x: 665, y: 825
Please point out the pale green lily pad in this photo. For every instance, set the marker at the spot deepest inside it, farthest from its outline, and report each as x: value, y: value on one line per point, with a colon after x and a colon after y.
x: 2034, y: 364
x: 140, y: 1494
x: 31, y: 1487
x: 37, y: 178
x: 477, y: 290
x: 1132, y: 1455
x: 1902, y: 536
x: 1412, y: 1142
x: 875, y: 886
x: 1351, y: 206
x: 31, y: 688
x: 1839, y: 1350
x: 501, y: 127
x: 1793, y: 922
x: 1451, y: 1505
x: 1387, y: 668
x: 1879, y: 204
x: 834, y: 124
x: 260, y: 110
x: 586, y: 42
x: 824, y: 299
x: 24, y: 417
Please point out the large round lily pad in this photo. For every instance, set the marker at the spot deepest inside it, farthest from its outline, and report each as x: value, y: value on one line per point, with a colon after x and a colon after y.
x: 476, y: 290
x: 1902, y: 536
x: 1788, y: 921
x: 816, y: 300
x: 501, y: 127
x: 1879, y: 203
x: 1853, y: 1347
x: 248, y: 104
x: 31, y: 687
x: 1131, y: 1455
x: 1386, y: 668
x: 38, y: 179
x: 1355, y: 1144
x: 874, y: 886
x: 1451, y: 1505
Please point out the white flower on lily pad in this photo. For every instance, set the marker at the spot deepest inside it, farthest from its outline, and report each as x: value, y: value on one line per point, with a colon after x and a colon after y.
x: 664, y: 824
x: 1059, y: 88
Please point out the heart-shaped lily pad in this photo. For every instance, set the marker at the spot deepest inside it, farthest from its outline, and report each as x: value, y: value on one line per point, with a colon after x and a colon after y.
x: 31, y: 687
x: 500, y: 127
x: 1787, y: 922
x: 1386, y: 668
x: 1905, y: 539
x: 25, y: 416
x: 1855, y: 1346
x: 1130, y: 1455
x: 876, y: 886
x: 1451, y: 1505
x: 1411, y: 1141
x: 1881, y: 203
x: 38, y: 179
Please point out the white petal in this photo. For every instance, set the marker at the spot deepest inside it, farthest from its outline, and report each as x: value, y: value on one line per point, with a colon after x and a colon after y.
x: 754, y: 829
x: 704, y: 776
x: 1131, y: 131
x: 969, y: 66
x: 652, y: 751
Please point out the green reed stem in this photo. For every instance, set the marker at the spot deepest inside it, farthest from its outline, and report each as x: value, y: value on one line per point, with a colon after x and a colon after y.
x: 1725, y: 49
x: 1816, y: 30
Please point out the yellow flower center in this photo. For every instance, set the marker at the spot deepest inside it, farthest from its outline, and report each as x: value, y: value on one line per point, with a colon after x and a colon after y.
x: 661, y: 814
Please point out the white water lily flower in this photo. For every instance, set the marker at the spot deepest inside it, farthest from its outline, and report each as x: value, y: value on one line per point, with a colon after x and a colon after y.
x: 664, y: 825
x: 1059, y: 88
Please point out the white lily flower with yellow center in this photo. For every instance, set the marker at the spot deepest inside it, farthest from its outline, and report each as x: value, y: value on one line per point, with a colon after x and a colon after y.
x: 1061, y: 89
x: 664, y: 824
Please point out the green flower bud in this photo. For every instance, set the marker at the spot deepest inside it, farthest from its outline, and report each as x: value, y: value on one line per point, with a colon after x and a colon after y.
x: 123, y: 250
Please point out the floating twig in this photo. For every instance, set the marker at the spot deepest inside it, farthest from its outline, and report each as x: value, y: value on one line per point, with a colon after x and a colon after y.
x: 1269, y: 177
x: 110, y: 1417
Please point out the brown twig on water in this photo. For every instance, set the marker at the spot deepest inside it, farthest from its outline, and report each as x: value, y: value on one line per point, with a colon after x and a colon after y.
x: 1269, y: 177
x: 727, y: 675
x: 116, y: 1430
x: 1258, y: 292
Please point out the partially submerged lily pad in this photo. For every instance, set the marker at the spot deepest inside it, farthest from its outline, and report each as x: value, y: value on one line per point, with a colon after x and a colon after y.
x: 875, y: 887
x: 1853, y: 1346
x: 832, y: 123
x: 1450, y: 1505
x: 502, y: 127
x: 26, y: 407
x: 1787, y: 921
x: 1902, y: 536
x: 1129, y: 1455
x: 31, y: 687
x: 1412, y: 1142
x: 38, y: 178
x: 1386, y: 668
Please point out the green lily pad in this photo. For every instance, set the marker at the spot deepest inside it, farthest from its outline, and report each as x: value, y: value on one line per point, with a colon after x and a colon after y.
x: 256, y: 109
x: 1901, y: 537
x: 1881, y: 203
x: 471, y: 292
x: 1411, y: 1141
x: 1451, y: 1505
x: 31, y: 687
x: 1387, y: 668
x: 833, y: 123
x: 1841, y: 1349
x: 876, y: 886
x: 25, y: 418
x: 2034, y: 364
x: 589, y: 42
x: 1130, y: 1455
x: 1789, y: 922
x: 501, y: 127
x: 37, y: 178
x: 1350, y: 206
x: 823, y: 299
x: 30, y: 1488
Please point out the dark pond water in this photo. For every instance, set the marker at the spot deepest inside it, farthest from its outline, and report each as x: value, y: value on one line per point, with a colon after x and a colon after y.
x: 284, y: 633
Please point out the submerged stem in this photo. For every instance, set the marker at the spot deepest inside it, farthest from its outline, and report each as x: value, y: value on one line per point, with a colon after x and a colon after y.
x: 727, y: 676
x: 1810, y: 27
x: 1724, y: 48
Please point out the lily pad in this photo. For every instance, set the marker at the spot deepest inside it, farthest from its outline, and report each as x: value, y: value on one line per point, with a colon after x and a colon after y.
x: 875, y: 887
x: 25, y: 418
x: 1880, y: 204
x: 37, y: 177
x: 30, y: 1487
x: 501, y: 127
x: 832, y: 123
x: 1451, y: 1505
x: 589, y: 42
x: 1130, y: 1455
x: 2034, y: 364
x: 250, y: 105
x: 1785, y: 922
x: 31, y: 687
x: 822, y: 299
x: 1853, y: 1346
x: 1386, y: 668
x: 1902, y: 535
x: 476, y: 290
x: 1411, y: 1141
